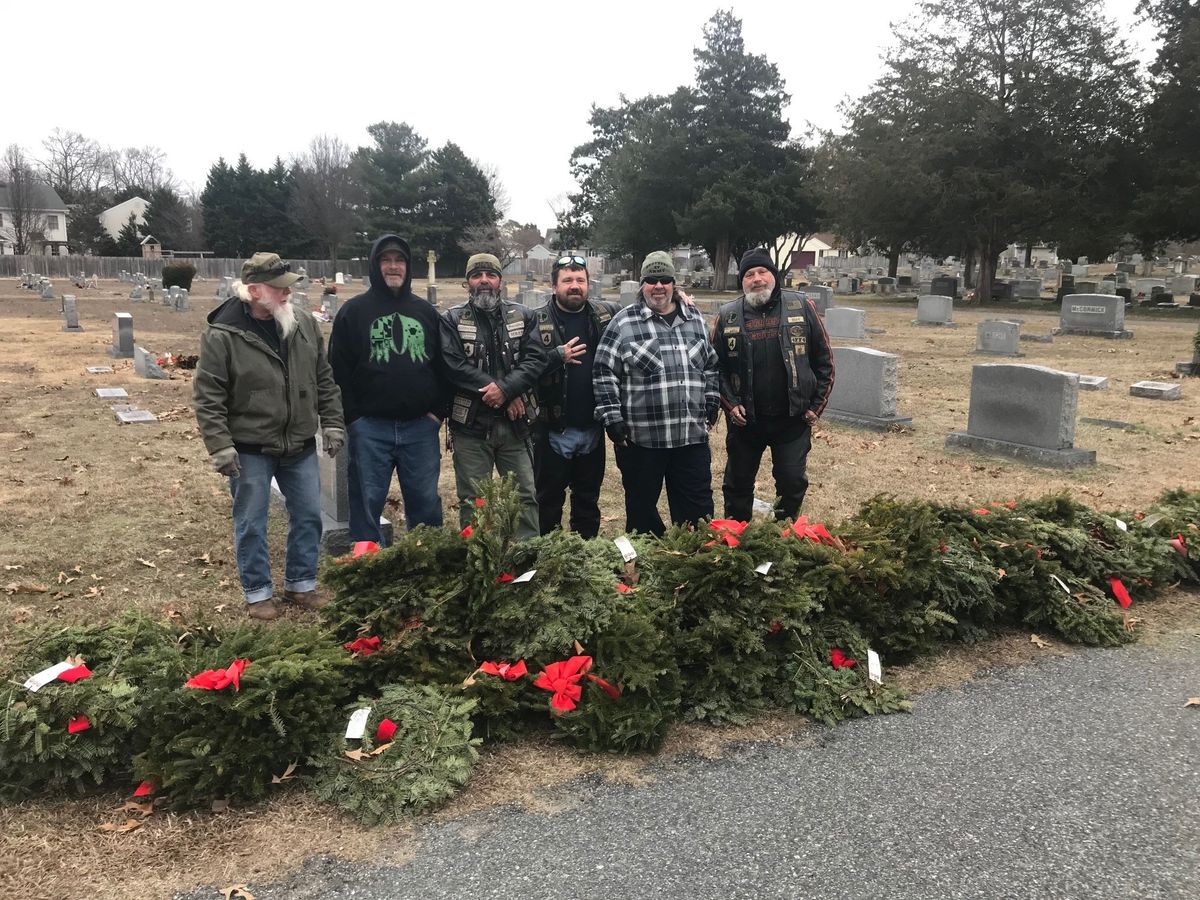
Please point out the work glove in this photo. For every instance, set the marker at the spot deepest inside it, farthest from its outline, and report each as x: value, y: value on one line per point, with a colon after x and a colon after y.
x: 618, y: 432
x: 335, y: 440
x: 226, y: 462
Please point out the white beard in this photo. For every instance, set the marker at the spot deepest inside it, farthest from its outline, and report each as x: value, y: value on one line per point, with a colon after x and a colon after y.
x: 758, y: 299
x: 486, y: 300
x: 285, y: 317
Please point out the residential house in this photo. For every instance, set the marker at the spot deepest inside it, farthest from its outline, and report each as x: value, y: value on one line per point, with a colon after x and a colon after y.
x: 811, y: 252
x: 49, y: 207
x: 116, y: 217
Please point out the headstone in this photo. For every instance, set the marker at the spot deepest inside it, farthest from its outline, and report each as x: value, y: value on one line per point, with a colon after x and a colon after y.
x: 998, y: 337
x: 864, y: 392
x: 300, y: 301
x: 1027, y: 289
x: 846, y: 323
x: 1108, y: 288
x: 335, y: 503
x: 821, y: 296
x: 935, y: 309
x: 847, y: 285
x: 147, y: 366
x: 1079, y: 271
x: 431, y: 259
x: 1023, y: 412
x: 1155, y: 390
x: 629, y: 292
x: 944, y: 286
x: 1182, y: 284
x: 431, y: 294
x: 302, y: 284
x: 1086, y: 287
x: 47, y: 290
x: 1096, y: 315
x: 594, y: 289
x: 70, y: 314
x: 111, y: 393
x: 331, y: 304
x: 137, y: 295
x: 135, y: 416
x: 122, y: 342
x: 904, y: 283
x: 339, y: 278
x: 99, y: 370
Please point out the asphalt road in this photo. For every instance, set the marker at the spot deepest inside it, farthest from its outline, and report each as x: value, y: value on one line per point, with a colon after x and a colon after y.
x: 1076, y: 777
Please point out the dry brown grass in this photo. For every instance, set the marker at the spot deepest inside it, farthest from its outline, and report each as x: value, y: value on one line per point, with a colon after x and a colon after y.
x: 79, y: 491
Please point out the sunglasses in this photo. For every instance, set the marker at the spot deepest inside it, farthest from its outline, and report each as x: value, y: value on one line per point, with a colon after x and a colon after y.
x: 570, y: 260
x: 655, y: 279
x: 281, y: 269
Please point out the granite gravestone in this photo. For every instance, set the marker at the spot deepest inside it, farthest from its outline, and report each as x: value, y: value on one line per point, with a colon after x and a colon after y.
x: 431, y: 294
x: 821, y: 295
x: 1095, y: 315
x: 864, y: 392
x: 935, y: 309
x: 1093, y: 382
x: 122, y: 342
x: 335, y: 502
x: 1023, y: 412
x: 846, y: 323
x: 70, y: 314
x: 629, y: 292
x: 111, y: 393
x: 147, y: 366
x: 1155, y: 390
x: 998, y: 337
x: 944, y: 286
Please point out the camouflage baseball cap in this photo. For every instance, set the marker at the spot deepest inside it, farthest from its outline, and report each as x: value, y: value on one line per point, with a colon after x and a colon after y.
x: 269, y: 269
x: 483, y: 262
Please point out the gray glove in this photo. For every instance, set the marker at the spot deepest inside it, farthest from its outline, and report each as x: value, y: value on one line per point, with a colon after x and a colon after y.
x: 335, y: 440
x: 226, y: 462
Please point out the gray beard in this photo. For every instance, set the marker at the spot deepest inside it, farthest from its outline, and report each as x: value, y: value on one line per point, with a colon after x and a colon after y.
x: 285, y: 318
x: 486, y: 301
x: 758, y: 299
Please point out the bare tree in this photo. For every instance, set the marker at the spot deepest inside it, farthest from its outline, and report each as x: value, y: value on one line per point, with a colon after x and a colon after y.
x: 25, y: 222
x: 326, y: 195
x: 499, y: 192
x: 74, y: 165
x: 140, y: 168
x: 507, y: 242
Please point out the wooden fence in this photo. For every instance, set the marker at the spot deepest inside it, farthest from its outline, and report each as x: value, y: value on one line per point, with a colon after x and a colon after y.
x: 112, y: 266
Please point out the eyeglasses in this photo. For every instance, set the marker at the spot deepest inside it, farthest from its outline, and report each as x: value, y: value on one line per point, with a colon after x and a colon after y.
x: 656, y: 279
x: 570, y: 260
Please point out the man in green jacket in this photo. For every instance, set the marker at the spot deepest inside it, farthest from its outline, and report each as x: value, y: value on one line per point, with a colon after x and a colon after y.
x: 263, y: 388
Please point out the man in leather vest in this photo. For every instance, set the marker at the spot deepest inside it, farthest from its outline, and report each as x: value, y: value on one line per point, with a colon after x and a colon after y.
x: 568, y: 449
x: 776, y: 376
x: 493, y: 358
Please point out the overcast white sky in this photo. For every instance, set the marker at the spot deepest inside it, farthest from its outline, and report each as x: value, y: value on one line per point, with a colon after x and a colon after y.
x: 511, y: 83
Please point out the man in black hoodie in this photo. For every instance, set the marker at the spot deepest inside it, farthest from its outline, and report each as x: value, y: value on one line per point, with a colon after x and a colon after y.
x: 776, y: 375
x: 387, y: 360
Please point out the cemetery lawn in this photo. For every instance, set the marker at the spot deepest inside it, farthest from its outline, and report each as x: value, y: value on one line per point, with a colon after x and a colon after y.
x: 100, y: 518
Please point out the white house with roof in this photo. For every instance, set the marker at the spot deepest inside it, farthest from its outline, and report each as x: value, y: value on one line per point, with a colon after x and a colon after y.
x: 809, y: 253
x: 115, y: 217
x: 48, y: 207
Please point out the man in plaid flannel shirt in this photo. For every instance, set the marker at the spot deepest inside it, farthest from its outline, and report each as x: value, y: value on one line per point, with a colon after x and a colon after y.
x: 657, y: 393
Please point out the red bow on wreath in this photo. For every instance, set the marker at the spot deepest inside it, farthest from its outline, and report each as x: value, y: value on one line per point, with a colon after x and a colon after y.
x: 840, y: 660
x: 1118, y: 589
x: 815, y: 532
x: 562, y: 680
x: 217, y: 679
x: 727, y: 531
x: 507, y: 671
x: 74, y: 674
x: 364, y: 646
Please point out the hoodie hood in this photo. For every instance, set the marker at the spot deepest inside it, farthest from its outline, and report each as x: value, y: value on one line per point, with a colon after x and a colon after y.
x: 377, y: 282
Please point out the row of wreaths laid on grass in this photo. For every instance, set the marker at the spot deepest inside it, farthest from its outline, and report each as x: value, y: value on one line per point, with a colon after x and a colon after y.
x: 448, y: 639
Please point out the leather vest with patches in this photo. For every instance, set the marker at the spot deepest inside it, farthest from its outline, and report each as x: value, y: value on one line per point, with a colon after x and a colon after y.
x: 793, y: 339
x: 552, y: 386
x: 466, y: 406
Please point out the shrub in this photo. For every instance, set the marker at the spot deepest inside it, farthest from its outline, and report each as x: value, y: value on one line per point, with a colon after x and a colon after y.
x: 178, y: 274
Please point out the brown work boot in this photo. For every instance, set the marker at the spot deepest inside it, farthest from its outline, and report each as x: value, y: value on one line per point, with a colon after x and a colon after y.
x: 307, y: 599
x: 264, y: 610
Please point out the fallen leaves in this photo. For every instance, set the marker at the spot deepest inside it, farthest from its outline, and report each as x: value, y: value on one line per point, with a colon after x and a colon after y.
x: 1037, y: 641
x: 236, y: 892
x: 286, y: 776
x: 26, y: 587
x: 147, y: 563
x: 1192, y: 701
x: 114, y: 828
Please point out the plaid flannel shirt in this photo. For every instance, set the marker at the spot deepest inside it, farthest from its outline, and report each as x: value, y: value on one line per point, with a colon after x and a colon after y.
x: 661, y: 380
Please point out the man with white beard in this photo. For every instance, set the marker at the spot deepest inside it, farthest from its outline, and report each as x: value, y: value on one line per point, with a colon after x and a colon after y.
x: 493, y: 359
x: 776, y: 376
x: 263, y: 388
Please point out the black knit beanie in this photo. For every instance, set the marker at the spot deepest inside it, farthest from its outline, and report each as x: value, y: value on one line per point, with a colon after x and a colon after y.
x: 753, y: 258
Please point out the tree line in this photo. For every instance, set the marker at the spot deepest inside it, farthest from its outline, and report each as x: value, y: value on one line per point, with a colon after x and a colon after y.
x: 993, y: 122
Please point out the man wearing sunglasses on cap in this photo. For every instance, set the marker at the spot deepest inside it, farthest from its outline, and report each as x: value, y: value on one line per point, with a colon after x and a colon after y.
x: 776, y: 376
x: 656, y: 385
x: 493, y: 359
x: 568, y: 448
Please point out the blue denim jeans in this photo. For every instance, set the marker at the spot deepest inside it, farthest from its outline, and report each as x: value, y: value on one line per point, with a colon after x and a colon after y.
x: 299, y: 481
x: 413, y: 451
